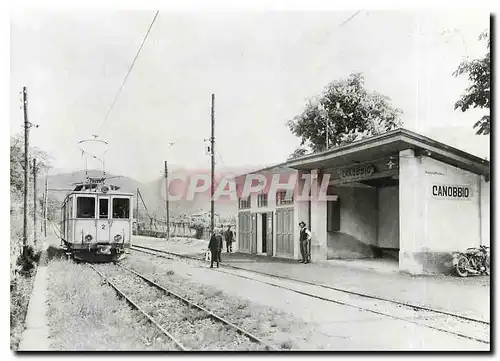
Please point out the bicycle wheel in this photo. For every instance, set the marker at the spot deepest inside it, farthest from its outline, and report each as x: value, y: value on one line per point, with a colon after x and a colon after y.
x: 487, y: 265
x: 461, y: 266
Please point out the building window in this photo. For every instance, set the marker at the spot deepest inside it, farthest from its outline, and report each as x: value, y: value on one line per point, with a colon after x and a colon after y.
x: 284, y: 198
x: 262, y: 200
x: 121, y: 208
x: 333, y: 216
x: 244, y: 203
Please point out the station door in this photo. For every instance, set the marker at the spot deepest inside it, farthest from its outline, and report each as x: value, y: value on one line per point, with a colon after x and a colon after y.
x: 284, y: 232
x: 244, y: 232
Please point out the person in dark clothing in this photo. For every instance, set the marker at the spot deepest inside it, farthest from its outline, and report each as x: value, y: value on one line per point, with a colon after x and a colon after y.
x: 215, y: 247
x: 305, y: 243
x: 229, y: 239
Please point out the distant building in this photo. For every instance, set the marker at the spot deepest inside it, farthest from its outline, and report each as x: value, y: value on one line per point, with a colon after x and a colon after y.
x: 397, y: 195
x: 204, y: 217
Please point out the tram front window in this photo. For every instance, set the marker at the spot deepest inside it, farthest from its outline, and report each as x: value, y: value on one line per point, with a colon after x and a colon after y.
x: 85, y: 207
x: 121, y: 208
x: 103, y: 208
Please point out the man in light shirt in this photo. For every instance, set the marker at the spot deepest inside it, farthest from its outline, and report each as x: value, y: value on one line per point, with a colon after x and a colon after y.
x: 305, y: 243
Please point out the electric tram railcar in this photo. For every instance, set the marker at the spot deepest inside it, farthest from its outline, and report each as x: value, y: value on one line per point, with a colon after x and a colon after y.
x: 96, y: 222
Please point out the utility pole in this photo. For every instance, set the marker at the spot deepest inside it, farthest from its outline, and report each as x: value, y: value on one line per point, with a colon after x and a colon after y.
x: 46, y: 197
x: 43, y: 212
x: 166, y: 200
x: 137, y: 208
x: 325, y: 116
x: 212, y: 150
x: 34, y: 201
x: 327, y: 140
x: 26, y: 170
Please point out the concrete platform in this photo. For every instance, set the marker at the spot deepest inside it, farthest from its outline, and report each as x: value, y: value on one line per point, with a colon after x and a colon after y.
x: 466, y: 296
x: 36, y: 335
x: 381, y: 278
x: 382, y: 265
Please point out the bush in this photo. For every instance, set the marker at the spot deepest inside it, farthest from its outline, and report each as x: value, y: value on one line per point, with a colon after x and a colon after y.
x: 28, y: 260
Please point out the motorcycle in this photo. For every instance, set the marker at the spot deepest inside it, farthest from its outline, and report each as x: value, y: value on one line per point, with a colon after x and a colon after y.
x: 475, y: 261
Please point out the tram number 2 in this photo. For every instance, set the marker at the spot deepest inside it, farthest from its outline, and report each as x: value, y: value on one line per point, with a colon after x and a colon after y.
x: 103, y: 226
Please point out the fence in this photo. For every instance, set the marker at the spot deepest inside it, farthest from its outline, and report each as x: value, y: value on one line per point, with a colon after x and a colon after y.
x: 158, y: 228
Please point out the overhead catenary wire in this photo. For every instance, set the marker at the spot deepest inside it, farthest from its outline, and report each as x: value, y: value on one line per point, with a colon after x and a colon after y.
x: 129, y: 70
x: 350, y: 18
x: 220, y: 158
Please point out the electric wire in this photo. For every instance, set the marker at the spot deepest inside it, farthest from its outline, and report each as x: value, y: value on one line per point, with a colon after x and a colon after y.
x: 350, y: 18
x: 129, y: 70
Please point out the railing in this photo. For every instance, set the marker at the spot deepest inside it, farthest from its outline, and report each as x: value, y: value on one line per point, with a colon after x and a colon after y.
x: 156, y: 228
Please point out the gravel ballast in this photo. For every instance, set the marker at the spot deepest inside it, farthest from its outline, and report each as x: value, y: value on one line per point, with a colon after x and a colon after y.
x: 84, y: 314
x: 192, y: 327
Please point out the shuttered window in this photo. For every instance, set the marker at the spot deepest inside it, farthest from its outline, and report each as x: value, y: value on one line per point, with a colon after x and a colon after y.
x: 262, y: 200
x: 244, y: 203
x: 284, y: 198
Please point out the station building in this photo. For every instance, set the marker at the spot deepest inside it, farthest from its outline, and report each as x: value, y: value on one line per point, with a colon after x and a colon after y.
x: 398, y: 195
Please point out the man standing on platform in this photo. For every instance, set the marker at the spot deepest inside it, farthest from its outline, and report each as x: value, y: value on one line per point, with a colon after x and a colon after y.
x: 229, y: 239
x: 305, y: 243
x: 215, y: 247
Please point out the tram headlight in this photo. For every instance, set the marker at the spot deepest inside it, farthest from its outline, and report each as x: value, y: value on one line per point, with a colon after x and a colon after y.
x: 118, y: 238
x: 88, y: 238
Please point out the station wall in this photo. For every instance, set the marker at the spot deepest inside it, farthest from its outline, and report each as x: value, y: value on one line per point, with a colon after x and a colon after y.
x: 440, y: 212
x: 485, y: 212
x: 358, y: 223
x: 388, y: 217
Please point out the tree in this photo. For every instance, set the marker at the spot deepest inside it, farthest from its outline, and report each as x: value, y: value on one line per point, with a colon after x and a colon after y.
x: 350, y: 111
x: 478, y: 94
x: 17, y: 162
x: 299, y: 152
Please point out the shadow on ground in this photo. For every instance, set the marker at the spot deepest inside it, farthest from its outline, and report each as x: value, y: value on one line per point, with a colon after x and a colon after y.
x: 55, y: 253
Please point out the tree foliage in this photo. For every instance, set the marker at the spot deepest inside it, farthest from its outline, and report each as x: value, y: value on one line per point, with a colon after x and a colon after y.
x: 17, y: 166
x: 17, y: 162
x: 477, y: 95
x: 299, y: 152
x: 348, y: 110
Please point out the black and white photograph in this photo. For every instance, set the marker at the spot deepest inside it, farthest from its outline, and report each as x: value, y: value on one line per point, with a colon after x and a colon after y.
x: 241, y: 180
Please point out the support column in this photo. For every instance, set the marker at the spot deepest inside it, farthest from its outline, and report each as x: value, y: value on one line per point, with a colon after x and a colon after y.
x: 410, y: 215
x: 301, y: 207
x: 319, y: 248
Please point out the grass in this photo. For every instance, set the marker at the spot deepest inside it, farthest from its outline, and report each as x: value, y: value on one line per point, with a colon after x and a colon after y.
x: 20, y: 292
x: 85, y: 314
x: 22, y: 271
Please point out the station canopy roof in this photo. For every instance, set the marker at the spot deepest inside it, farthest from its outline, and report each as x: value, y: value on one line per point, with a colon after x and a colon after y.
x: 386, y: 145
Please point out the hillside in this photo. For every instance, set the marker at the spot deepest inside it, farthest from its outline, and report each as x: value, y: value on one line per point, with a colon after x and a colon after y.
x: 153, y: 192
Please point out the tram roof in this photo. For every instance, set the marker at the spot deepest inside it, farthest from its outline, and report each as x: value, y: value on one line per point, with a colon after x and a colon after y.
x: 90, y: 194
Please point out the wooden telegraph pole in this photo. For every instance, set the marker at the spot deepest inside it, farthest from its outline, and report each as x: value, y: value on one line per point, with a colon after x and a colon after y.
x: 137, y: 208
x: 43, y: 212
x: 212, y: 151
x: 46, y: 196
x: 26, y: 169
x: 34, y: 201
x: 166, y: 200
x: 27, y: 126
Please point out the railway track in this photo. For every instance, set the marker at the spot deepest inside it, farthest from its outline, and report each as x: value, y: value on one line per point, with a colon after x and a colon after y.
x: 201, y: 315
x: 419, y: 315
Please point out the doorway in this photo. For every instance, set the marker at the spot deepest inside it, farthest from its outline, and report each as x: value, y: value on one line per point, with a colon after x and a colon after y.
x: 264, y: 232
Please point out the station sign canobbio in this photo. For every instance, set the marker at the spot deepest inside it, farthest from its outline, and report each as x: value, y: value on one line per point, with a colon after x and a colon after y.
x: 451, y: 191
x: 356, y: 172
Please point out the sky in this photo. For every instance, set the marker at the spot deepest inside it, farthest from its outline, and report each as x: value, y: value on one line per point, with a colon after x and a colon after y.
x: 261, y: 66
